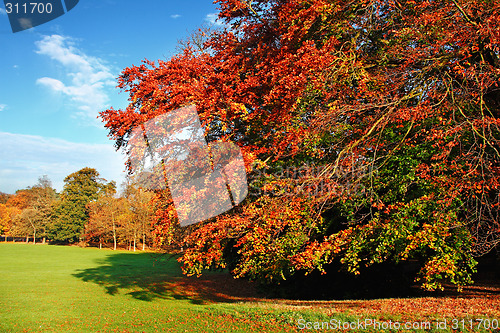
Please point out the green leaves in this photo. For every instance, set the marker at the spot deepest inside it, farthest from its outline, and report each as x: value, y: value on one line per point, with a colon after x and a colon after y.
x: 70, y: 215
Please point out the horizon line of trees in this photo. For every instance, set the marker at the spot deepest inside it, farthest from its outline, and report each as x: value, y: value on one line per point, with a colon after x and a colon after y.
x: 88, y: 211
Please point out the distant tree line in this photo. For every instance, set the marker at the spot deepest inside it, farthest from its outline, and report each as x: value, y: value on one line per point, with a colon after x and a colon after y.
x: 87, y: 211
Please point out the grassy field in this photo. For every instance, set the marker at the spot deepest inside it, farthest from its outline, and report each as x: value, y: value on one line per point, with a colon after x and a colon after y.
x: 69, y: 289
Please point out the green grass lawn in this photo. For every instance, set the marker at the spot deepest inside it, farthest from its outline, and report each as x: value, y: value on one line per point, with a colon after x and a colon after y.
x: 70, y: 289
x: 46, y: 288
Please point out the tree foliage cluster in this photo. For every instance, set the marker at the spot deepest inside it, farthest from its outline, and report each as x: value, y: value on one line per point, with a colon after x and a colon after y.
x: 28, y: 212
x: 396, y: 102
x: 121, y: 220
x: 87, y: 210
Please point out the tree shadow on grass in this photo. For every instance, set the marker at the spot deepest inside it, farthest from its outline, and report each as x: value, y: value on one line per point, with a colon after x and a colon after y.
x: 381, y: 281
x: 148, y: 276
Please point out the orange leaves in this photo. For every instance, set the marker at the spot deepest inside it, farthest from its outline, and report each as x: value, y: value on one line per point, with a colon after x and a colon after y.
x: 267, y: 238
x: 7, y: 215
x: 426, y: 237
x: 316, y: 254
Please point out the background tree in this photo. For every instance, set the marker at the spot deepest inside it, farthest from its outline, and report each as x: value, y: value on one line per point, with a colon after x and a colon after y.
x: 70, y: 213
x: 141, y: 214
x: 43, y: 197
x: 7, y: 214
x: 123, y: 220
x: 104, y: 218
x: 4, y: 219
x: 35, y: 208
x: 27, y: 224
x: 21, y: 227
x: 4, y: 197
x: 20, y: 200
x: 14, y: 206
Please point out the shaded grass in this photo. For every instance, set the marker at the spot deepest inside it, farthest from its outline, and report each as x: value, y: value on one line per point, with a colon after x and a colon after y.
x: 70, y: 289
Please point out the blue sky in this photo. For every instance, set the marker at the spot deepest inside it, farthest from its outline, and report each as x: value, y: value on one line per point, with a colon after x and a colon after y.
x: 56, y: 77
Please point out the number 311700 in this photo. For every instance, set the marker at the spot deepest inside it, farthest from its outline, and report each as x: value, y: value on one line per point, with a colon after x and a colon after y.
x: 31, y: 8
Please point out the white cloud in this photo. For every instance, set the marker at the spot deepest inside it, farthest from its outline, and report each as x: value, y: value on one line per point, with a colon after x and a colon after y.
x: 87, y: 78
x: 175, y: 16
x: 2, y: 11
x: 3, y: 107
x: 53, y: 84
x: 24, y: 158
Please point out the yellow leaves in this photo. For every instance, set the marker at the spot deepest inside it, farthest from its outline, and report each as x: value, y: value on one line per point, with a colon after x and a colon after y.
x: 7, y: 214
x: 425, y: 237
x: 239, y: 108
x: 437, y: 269
x: 429, y: 236
x: 259, y: 164
x: 5, y: 218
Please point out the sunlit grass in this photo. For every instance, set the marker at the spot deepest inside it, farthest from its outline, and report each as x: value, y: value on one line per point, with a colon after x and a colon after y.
x: 69, y: 289
x: 53, y: 288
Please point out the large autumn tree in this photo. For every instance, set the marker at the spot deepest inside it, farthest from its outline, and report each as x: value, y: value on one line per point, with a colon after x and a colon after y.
x: 390, y: 108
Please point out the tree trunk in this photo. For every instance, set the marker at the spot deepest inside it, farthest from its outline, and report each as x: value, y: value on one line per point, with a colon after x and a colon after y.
x: 114, y: 236
x: 34, y: 236
x: 135, y: 236
x: 143, y: 241
x: 27, y: 239
x: 43, y: 241
x: 100, y: 243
